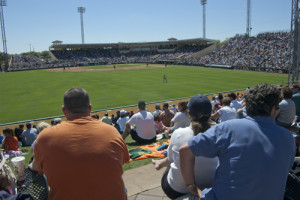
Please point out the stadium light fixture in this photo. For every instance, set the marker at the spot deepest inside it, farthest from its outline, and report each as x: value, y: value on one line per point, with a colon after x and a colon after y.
x: 203, y: 3
x: 81, y: 10
x: 3, y: 3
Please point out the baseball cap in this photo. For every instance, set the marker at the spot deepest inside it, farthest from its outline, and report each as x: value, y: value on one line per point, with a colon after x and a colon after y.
x: 123, y: 112
x: 199, y: 104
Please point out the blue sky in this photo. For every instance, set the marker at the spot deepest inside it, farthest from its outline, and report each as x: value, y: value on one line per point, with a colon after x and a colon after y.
x: 36, y: 23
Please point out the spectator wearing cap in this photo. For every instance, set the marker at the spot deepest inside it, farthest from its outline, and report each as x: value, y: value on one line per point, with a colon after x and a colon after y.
x: 172, y: 181
x: 287, y: 109
x: 29, y: 135
x: 296, y: 98
x: 157, y: 110
x: 214, y: 101
x: 247, y: 150
x: 144, y: 132
x: 166, y: 115
x: 122, y: 121
x: 174, y: 109
x: 225, y: 113
x: 106, y: 119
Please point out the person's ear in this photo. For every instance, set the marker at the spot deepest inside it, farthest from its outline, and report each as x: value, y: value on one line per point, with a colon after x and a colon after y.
x: 64, y: 110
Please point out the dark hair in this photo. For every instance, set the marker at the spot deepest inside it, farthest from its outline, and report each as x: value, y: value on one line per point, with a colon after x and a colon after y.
x: 183, y: 105
x: 8, y: 131
x: 142, y: 105
x: 76, y: 100
x: 287, y: 93
x: 157, y: 107
x: 213, y: 98
x: 226, y: 101
x: 261, y: 99
x: 96, y: 116
x: 232, y: 95
x: 156, y: 118
x: 21, y: 126
x: 220, y: 96
x: 28, y: 125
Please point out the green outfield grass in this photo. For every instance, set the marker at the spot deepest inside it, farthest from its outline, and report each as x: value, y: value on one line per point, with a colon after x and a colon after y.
x: 37, y: 94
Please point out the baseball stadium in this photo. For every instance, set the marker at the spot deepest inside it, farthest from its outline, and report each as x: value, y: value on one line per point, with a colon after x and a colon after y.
x: 123, y: 79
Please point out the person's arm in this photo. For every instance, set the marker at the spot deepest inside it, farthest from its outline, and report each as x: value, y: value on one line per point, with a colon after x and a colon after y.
x: 187, y: 164
x: 276, y: 113
x: 158, y: 164
x: 215, y: 115
x: 126, y: 131
x: 33, y: 166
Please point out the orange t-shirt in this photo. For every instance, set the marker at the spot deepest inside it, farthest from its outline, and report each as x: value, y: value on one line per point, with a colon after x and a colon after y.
x: 82, y: 159
x: 11, y: 143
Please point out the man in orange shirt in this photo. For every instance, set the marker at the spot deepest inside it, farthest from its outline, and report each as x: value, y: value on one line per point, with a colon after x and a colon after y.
x: 82, y: 157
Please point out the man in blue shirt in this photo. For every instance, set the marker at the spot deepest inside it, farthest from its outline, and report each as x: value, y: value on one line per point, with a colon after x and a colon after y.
x: 29, y: 135
x: 255, y: 154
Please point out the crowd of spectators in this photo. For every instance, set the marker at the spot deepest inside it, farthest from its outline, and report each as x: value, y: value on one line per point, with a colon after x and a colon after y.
x: 269, y: 50
x: 266, y: 50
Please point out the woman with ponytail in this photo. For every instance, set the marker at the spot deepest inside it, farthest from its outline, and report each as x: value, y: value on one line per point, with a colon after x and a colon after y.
x: 199, y: 111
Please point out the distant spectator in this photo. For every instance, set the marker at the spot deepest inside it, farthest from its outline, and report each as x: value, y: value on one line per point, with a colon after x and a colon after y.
x: 122, y: 121
x: 106, y: 119
x: 181, y: 119
x: 225, y: 113
x: 144, y: 132
x: 56, y: 121
x: 287, y: 109
x: 166, y: 115
x: 214, y: 101
x: 174, y: 109
x: 96, y: 116
x: 29, y: 135
x: 130, y: 114
x: 157, y: 110
x: 219, y: 104
x: 159, y: 127
x: 10, y: 143
x: 234, y: 103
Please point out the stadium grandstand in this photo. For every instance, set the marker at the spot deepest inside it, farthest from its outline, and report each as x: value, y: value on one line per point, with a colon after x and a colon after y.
x: 268, y: 51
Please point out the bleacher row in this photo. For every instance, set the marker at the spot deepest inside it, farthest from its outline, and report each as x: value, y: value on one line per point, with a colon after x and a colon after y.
x: 266, y: 50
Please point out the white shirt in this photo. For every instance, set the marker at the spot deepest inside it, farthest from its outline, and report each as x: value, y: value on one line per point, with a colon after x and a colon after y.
x: 204, y: 167
x: 144, y: 124
x: 181, y: 120
x: 235, y: 104
x: 122, y: 122
x: 227, y: 113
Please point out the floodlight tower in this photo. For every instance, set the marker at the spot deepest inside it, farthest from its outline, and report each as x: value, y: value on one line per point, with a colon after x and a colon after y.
x: 203, y: 2
x: 295, y: 43
x: 81, y: 10
x: 3, y: 3
x: 248, y: 29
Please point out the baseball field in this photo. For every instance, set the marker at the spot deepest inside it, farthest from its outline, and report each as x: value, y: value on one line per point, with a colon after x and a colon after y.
x: 28, y: 95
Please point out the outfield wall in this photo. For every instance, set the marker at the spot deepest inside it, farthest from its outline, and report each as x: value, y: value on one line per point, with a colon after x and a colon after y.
x: 112, y: 111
